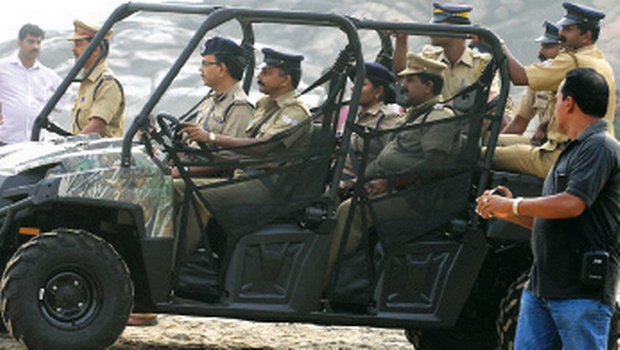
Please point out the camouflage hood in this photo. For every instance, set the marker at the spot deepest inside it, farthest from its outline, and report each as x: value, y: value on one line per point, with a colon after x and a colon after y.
x: 89, y: 168
x: 20, y: 157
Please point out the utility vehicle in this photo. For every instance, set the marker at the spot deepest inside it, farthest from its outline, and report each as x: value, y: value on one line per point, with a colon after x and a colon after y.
x: 89, y: 231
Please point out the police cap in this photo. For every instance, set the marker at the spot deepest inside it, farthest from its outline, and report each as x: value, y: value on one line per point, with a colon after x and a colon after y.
x: 379, y: 75
x: 451, y: 13
x: 84, y: 30
x: 551, y: 35
x: 576, y: 14
x: 273, y: 58
x: 221, y: 46
x: 417, y: 64
x: 376, y: 72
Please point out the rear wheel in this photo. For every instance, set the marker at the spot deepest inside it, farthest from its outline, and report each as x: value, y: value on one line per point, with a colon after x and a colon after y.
x: 509, y: 313
x: 66, y: 290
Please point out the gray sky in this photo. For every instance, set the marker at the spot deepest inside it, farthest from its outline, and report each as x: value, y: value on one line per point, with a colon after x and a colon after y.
x: 55, y: 15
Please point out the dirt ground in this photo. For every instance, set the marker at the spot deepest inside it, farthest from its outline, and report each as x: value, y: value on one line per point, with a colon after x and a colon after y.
x: 184, y: 332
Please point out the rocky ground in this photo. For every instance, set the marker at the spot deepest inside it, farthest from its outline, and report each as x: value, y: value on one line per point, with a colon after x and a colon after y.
x: 182, y: 332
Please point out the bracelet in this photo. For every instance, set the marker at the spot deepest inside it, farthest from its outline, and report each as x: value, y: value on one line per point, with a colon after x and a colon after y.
x: 211, y: 137
x: 515, y: 205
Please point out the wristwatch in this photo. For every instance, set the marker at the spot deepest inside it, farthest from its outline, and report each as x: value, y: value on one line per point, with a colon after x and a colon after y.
x: 211, y: 137
x: 515, y: 205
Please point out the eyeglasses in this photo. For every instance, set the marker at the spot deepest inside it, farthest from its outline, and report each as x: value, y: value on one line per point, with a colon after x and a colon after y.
x: 205, y: 63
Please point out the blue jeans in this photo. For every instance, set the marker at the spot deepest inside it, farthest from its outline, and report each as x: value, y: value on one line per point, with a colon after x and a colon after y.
x: 574, y: 324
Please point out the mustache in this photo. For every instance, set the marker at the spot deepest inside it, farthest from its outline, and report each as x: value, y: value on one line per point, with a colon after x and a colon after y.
x: 562, y: 39
x: 260, y: 82
x: 542, y: 57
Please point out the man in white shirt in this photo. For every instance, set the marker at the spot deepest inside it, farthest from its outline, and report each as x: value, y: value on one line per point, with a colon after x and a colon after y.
x: 25, y: 87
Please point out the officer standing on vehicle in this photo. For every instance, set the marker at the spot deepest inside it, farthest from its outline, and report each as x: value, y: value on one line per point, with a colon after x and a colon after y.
x: 580, y: 30
x: 575, y: 224
x: 100, y: 104
x: 464, y: 64
x: 535, y: 155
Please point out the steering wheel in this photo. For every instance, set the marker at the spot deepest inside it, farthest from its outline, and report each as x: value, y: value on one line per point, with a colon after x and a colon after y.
x: 168, y: 138
x: 169, y: 125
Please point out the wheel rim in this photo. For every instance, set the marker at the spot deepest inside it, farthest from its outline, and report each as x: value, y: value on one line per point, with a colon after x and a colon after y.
x: 70, y: 299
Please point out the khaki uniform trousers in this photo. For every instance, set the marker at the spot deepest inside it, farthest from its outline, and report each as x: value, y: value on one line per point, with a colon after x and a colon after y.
x: 249, y: 192
x: 356, y: 233
x: 193, y: 230
x: 512, y: 139
x: 525, y: 159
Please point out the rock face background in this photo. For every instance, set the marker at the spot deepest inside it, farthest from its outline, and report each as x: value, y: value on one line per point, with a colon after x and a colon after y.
x: 145, y: 45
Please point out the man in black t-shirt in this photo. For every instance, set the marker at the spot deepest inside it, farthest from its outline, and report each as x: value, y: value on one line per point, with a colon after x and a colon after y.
x: 577, y: 214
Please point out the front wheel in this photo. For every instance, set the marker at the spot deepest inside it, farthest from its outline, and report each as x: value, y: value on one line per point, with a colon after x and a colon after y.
x: 66, y: 289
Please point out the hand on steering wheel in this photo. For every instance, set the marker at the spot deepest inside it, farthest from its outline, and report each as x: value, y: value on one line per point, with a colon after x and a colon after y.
x: 169, y: 125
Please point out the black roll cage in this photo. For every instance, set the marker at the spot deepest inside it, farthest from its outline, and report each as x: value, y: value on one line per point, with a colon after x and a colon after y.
x: 499, y: 61
x: 218, y: 15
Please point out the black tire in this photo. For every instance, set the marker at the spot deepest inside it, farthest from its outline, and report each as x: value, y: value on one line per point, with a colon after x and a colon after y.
x: 66, y: 290
x: 509, y: 313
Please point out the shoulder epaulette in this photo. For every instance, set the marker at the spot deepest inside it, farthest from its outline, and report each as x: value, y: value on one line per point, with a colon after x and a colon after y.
x: 107, y: 77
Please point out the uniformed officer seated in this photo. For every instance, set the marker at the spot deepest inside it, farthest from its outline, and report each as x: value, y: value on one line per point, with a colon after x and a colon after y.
x: 409, y: 158
x: 226, y: 109
x: 550, y: 36
x: 374, y: 114
x: 278, y: 126
x: 278, y: 111
x: 580, y: 28
x: 535, y: 103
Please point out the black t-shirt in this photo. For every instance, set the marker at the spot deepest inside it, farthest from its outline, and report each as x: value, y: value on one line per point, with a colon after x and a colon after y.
x: 587, y: 168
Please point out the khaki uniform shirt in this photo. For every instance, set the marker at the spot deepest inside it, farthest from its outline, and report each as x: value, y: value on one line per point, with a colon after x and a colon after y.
x: 274, y: 116
x: 107, y: 103
x: 542, y: 103
x: 534, y: 103
x: 547, y: 76
x: 377, y: 117
x: 412, y: 149
x: 463, y: 73
x: 227, y: 114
